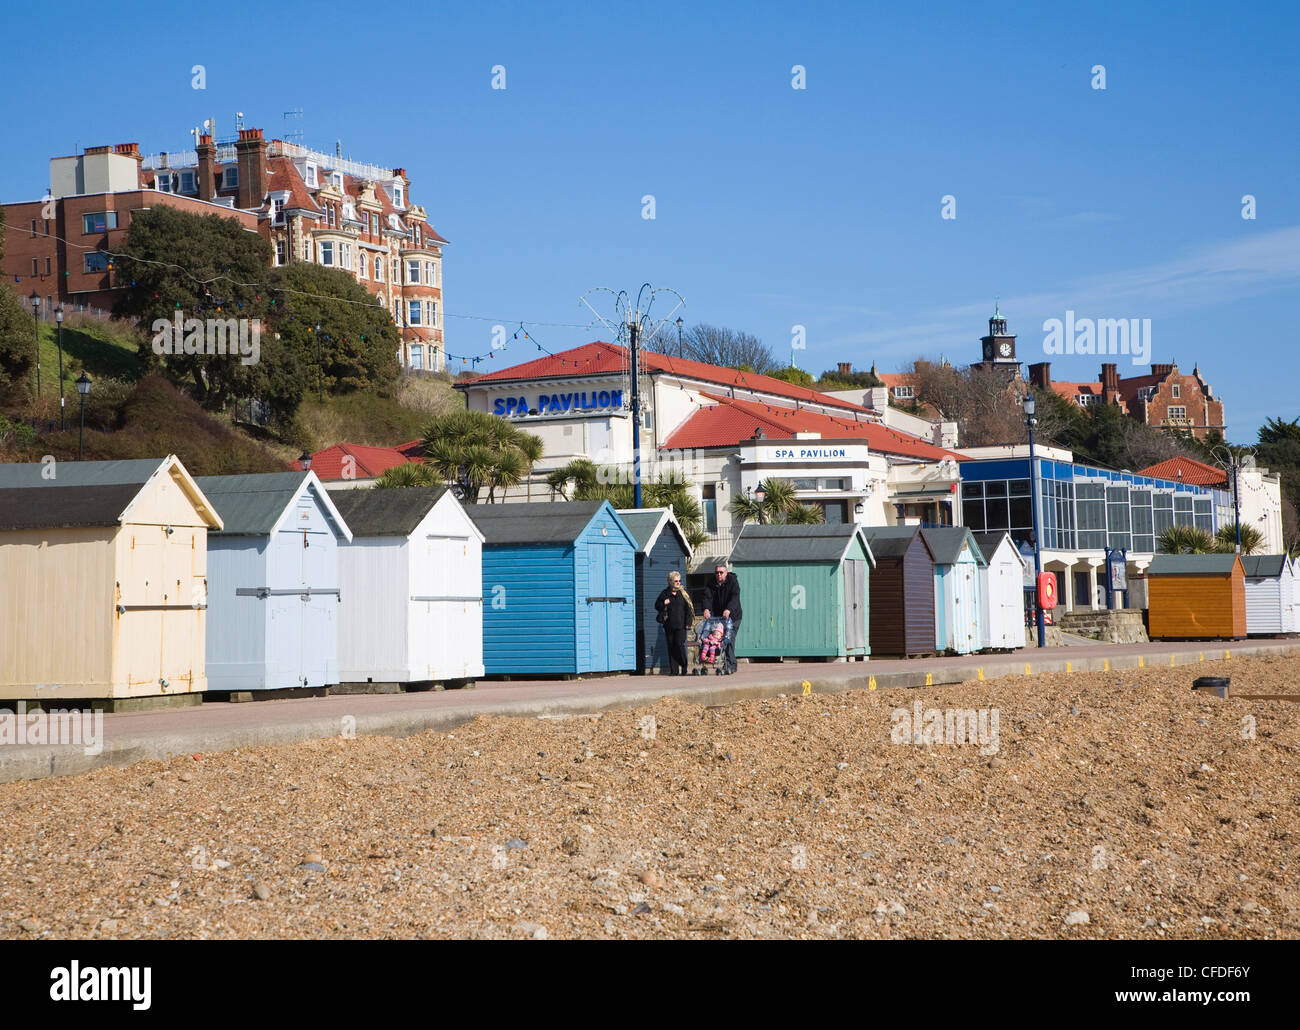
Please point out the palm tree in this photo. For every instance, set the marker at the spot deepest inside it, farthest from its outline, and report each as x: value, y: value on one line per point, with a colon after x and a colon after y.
x: 778, y: 505
x: 530, y: 446
x: 1185, y: 540
x: 1225, y: 539
x: 409, y: 474
x: 509, y: 469
x: 474, y: 449
x: 804, y: 515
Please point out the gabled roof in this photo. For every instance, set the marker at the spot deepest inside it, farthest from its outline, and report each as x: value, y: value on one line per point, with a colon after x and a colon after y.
x: 539, y: 522
x: 367, y: 462
x: 893, y: 541
x: 801, y: 544
x: 945, y: 543
x: 1264, y: 566
x: 990, y: 542
x: 72, y: 507
x: 645, y: 525
x: 1187, y: 470
x: 729, y: 422
x: 597, y: 357
x: 1073, y: 391
x: 83, y: 475
x: 283, y: 177
x: 396, y: 512
x: 1191, y: 565
x: 257, y: 504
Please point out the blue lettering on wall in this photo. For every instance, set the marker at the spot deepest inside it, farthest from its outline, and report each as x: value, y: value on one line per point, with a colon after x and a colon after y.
x: 499, y: 407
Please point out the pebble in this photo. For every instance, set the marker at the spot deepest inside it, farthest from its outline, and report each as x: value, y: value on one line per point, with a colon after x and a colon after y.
x: 311, y: 867
x: 650, y: 878
x: 841, y: 765
x: 161, y: 902
x: 641, y: 909
x: 1250, y: 906
x: 676, y: 910
x: 108, y: 926
x: 186, y: 777
x: 1077, y: 918
x: 515, y: 844
x: 997, y: 763
x: 262, y: 892
x: 29, y: 925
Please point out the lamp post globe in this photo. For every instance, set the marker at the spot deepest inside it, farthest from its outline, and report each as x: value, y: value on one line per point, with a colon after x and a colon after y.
x: 83, y: 388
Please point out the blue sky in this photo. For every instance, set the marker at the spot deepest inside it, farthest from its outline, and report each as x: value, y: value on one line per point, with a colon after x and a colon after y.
x: 774, y: 207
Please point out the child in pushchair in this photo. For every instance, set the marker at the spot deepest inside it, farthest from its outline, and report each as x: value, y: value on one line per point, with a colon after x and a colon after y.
x: 714, y: 638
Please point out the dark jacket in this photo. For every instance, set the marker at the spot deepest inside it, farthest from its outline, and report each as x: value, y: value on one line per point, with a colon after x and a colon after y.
x: 724, y: 596
x: 679, y: 612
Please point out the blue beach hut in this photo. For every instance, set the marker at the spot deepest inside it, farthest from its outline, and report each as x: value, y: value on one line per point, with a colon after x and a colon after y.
x: 559, y: 591
x: 273, y: 582
x: 661, y: 548
x: 957, y: 593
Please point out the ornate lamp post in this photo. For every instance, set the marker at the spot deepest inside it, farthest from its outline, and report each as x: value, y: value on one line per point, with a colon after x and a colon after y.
x: 1030, y: 422
x: 36, y: 327
x: 58, y: 317
x: 83, y: 388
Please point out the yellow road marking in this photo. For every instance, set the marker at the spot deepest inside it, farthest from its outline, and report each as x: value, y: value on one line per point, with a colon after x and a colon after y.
x: 871, y: 683
x: 807, y: 687
x: 1142, y: 662
x: 929, y: 679
x: 1069, y: 667
x: 1105, y: 665
x: 1027, y: 672
x: 980, y: 672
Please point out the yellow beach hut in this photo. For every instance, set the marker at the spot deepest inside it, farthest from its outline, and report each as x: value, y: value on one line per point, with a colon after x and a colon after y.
x: 103, y: 580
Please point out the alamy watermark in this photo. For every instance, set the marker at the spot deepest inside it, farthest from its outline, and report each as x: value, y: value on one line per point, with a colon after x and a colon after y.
x: 236, y: 337
x: 1099, y: 336
x: 951, y: 726
x: 56, y: 726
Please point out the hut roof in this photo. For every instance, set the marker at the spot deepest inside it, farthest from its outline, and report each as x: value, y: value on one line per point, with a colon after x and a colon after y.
x: 255, y: 504
x: 83, y: 493
x: 891, y: 541
x: 68, y: 508
x: 541, y: 522
x: 1192, y: 565
x: 781, y: 543
x: 1264, y: 565
x: 386, y: 512
x: 990, y: 542
x: 645, y: 525
x: 945, y: 543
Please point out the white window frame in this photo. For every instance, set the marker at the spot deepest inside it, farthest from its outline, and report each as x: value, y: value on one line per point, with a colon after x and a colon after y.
x: 281, y: 251
x: 417, y: 351
x: 345, y: 256
x: 379, y: 269
x: 337, y: 179
x: 327, y: 247
x: 904, y: 393
x: 230, y: 177
x: 413, y: 272
x: 310, y: 176
x: 1176, y: 411
x: 163, y: 183
x: 399, y: 195
x: 413, y: 313
x: 189, y: 182
x: 433, y: 314
x: 1178, y: 391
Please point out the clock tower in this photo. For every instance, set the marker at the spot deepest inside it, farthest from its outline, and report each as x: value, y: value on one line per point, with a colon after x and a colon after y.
x: 999, y: 346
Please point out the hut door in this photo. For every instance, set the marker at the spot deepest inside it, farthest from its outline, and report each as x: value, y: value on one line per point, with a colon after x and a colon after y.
x: 855, y: 606
x: 599, y: 606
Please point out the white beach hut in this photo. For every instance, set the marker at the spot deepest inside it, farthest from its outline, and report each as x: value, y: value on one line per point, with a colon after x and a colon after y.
x: 1002, y: 593
x: 1272, y: 594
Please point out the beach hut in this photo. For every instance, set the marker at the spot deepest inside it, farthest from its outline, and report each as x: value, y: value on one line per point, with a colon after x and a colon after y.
x: 1196, y: 595
x: 902, y: 591
x: 102, y: 570
x: 559, y: 591
x: 1272, y: 593
x: 273, y: 582
x: 1002, y: 592
x: 804, y: 591
x: 957, y: 563
x: 411, y: 609
x: 661, y: 548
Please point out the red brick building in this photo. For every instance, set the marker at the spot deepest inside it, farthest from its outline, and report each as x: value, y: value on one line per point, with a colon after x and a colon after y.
x: 310, y: 206
x: 1165, y: 398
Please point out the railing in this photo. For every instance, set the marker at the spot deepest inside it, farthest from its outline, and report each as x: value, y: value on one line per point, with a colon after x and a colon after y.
x: 719, y: 543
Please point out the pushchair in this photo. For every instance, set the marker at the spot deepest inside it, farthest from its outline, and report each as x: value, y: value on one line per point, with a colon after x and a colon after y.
x: 713, y: 653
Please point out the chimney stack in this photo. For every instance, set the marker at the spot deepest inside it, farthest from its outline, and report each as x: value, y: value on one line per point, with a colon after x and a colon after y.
x: 250, y: 150
x: 207, y: 167
x: 845, y: 367
x: 1040, y: 375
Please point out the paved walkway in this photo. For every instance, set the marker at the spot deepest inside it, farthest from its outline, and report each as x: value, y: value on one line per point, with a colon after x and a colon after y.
x: 130, y: 737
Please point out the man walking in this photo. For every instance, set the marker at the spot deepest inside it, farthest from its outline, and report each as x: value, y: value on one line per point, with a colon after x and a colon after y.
x: 723, y: 597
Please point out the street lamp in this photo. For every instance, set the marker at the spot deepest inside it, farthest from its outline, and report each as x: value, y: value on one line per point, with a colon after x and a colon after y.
x: 1030, y: 422
x: 679, y: 335
x: 36, y: 324
x: 1228, y: 460
x: 83, y: 388
x: 304, y: 459
x: 320, y: 395
x: 58, y: 317
x: 760, y: 495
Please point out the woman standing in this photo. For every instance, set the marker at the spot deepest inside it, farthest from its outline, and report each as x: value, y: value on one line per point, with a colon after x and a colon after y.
x: 676, y: 615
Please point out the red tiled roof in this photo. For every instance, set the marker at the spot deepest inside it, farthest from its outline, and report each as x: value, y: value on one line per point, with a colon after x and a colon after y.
x: 284, y: 176
x: 600, y: 356
x: 729, y: 422
x: 892, y: 379
x: 1071, y: 391
x: 370, y: 461
x: 1186, y: 470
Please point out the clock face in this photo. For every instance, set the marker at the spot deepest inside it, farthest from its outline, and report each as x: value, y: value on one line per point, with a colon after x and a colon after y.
x: 1005, y: 350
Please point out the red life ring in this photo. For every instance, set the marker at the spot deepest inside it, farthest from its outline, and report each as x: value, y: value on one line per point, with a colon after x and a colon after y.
x: 1046, y: 591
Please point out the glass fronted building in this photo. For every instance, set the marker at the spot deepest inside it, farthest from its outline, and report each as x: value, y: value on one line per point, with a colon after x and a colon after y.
x: 1082, y: 511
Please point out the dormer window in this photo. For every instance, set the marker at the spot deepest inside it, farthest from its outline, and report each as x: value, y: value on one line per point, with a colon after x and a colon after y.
x: 230, y: 177
x: 398, y: 195
x: 337, y: 179
x: 904, y: 392
x: 310, y: 176
x: 1178, y: 391
x: 187, y: 183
